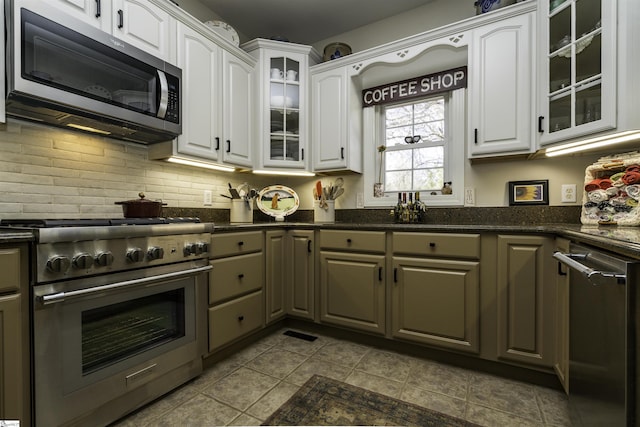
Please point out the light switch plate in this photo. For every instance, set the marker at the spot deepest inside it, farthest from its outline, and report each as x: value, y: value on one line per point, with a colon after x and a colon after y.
x: 207, y: 198
x: 469, y: 196
x: 360, y: 200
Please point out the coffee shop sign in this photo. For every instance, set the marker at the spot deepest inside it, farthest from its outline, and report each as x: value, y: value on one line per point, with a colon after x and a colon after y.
x: 416, y: 87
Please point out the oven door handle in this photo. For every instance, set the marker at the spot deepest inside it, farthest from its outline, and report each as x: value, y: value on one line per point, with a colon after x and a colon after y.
x: 596, y: 277
x: 63, y: 296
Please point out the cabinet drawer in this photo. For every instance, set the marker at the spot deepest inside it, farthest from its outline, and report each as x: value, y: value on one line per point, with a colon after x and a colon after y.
x: 361, y: 241
x: 235, y: 276
x: 235, y: 243
x: 234, y: 319
x: 10, y: 266
x: 437, y: 244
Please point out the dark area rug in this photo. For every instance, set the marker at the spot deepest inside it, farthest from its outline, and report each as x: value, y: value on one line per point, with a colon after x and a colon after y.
x: 322, y: 401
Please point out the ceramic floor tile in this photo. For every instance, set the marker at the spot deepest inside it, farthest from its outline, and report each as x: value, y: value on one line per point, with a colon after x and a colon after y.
x: 241, y: 388
x: 508, y: 396
x: 272, y: 400
x: 375, y: 383
x: 385, y: 364
x: 435, y: 401
x: 342, y: 353
x: 313, y: 366
x: 440, y: 378
x: 245, y: 420
x: 197, y: 412
x: 490, y: 417
x: 554, y: 405
x: 214, y: 373
x: 276, y: 362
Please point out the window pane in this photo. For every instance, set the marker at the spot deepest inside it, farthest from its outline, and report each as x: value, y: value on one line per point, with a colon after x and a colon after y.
x: 397, y: 181
x: 428, y: 179
x: 428, y: 157
x: 395, y: 136
x: 431, y: 132
x: 399, y: 116
x: 396, y: 160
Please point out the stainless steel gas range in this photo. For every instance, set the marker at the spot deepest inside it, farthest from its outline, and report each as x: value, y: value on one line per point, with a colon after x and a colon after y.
x: 118, y: 313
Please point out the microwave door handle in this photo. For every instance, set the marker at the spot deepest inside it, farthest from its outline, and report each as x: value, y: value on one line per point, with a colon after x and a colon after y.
x: 164, y: 94
x: 62, y: 296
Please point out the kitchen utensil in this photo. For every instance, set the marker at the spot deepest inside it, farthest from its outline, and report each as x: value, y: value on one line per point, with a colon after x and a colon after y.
x: 338, y: 192
x: 228, y: 197
x: 234, y: 193
x: 319, y: 189
x: 141, y: 208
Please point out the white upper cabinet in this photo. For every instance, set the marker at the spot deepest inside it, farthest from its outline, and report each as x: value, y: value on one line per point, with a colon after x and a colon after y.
x: 282, y: 106
x: 501, y: 87
x: 137, y: 22
x: 237, y: 109
x: 577, y: 78
x: 336, y: 127
x: 199, y: 58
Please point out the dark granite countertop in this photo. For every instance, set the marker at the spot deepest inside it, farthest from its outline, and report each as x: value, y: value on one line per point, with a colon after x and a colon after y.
x: 621, y: 240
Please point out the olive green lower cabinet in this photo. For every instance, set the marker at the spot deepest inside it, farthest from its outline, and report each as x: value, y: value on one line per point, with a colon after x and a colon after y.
x: 526, y: 299
x: 300, y: 290
x: 276, y: 275
x: 561, y: 363
x: 435, y: 300
x: 14, y: 334
x: 236, y: 284
x: 352, y: 279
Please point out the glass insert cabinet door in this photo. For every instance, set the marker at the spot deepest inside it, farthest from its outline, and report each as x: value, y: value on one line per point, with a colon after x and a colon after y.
x: 284, y: 108
x: 580, y: 96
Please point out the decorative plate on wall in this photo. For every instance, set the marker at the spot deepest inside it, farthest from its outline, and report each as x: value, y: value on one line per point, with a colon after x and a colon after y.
x: 278, y: 201
x: 225, y: 30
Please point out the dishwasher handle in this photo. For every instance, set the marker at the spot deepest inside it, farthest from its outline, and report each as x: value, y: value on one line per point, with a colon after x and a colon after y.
x: 596, y: 277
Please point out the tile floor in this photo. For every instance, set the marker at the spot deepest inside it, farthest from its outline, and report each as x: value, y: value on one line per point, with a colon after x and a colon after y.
x: 247, y: 387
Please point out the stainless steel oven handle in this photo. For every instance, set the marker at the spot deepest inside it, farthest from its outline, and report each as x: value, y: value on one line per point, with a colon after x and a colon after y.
x: 596, y: 277
x: 164, y: 94
x: 63, y: 296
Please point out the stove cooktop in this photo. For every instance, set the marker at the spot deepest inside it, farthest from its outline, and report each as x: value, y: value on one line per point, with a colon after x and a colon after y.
x: 90, y: 222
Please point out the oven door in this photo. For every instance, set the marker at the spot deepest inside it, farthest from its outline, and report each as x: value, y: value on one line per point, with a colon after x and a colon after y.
x: 98, y: 339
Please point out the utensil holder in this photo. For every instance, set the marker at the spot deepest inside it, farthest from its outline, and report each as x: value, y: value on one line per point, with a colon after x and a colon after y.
x: 322, y: 214
x: 241, y: 211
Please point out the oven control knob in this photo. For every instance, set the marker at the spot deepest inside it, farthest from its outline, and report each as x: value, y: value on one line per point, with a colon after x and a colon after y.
x: 58, y: 264
x: 82, y: 261
x: 190, y: 249
x: 155, y: 252
x: 104, y: 259
x: 203, y: 247
x: 135, y: 255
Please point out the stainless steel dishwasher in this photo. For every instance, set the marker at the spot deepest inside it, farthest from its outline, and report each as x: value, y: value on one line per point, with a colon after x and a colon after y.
x: 602, y: 331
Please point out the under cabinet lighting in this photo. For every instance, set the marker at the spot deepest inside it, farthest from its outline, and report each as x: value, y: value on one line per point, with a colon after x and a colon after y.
x: 88, y: 129
x: 281, y: 172
x: 189, y: 162
x: 589, y: 144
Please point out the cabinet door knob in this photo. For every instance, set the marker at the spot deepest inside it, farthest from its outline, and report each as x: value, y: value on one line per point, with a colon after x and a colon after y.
x: 228, y: 145
x: 475, y: 136
x: 98, y: 9
x: 240, y: 276
x: 380, y: 274
x: 120, y: 18
x: 309, y: 246
x: 342, y: 153
x: 240, y: 243
x: 240, y: 318
x: 432, y: 245
x: 217, y: 143
x: 395, y: 275
x: 349, y: 241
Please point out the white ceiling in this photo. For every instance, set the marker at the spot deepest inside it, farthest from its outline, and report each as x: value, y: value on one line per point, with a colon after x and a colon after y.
x: 304, y: 21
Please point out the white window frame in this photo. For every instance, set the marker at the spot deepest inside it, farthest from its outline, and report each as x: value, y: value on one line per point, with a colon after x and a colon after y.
x: 455, y: 129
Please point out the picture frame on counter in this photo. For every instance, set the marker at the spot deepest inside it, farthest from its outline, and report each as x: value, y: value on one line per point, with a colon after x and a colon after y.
x: 534, y: 192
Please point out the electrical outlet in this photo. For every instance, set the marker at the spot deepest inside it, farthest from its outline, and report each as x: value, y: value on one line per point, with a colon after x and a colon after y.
x: 207, y: 198
x: 568, y: 194
x: 360, y: 200
x: 469, y: 196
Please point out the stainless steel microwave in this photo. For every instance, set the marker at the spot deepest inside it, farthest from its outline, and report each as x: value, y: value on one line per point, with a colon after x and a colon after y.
x: 67, y: 73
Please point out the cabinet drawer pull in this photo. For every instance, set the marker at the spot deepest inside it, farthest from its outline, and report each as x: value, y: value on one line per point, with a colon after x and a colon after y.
x: 540, y: 120
x: 380, y: 274
x: 395, y: 275
x: 432, y: 245
x: 349, y: 241
x: 560, y: 272
x: 217, y: 143
x: 240, y: 243
x: 342, y: 153
x: 309, y: 246
x: 98, y: 9
x: 120, y: 18
x: 240, y: 318
x: 240, y: 276
x: 228, y: 145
